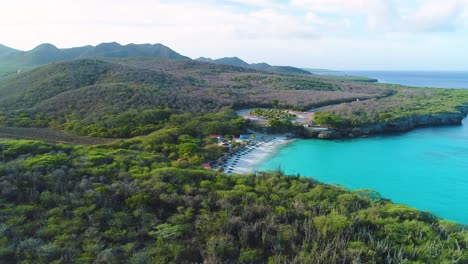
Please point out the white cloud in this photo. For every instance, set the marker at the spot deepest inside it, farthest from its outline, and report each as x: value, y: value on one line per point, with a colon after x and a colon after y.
x: 258, y: 3
x: 379, y: 13
x: 464, y: 14
x: 268, y: 23
x: 331, y: 6
x: 394, y: 15
x: 317, y: 33
x: 434, y: 16
x: 65, y: 22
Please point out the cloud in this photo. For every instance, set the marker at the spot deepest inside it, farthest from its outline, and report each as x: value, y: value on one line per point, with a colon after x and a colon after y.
x: 379, y: 13
x: 319, y: 33
x: 257, y: 3
x: 331, y: 6
x: 152, y: 20
x: 434, y: 16
x: 269, y: 23
x: 394, y: 15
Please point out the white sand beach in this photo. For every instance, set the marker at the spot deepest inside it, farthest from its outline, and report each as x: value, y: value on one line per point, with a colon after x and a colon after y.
x: 249, y: 157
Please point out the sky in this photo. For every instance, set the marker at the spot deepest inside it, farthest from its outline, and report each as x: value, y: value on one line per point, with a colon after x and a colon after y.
x: 331, y: 34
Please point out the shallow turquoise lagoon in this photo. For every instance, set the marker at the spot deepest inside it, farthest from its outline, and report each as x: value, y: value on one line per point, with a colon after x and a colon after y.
x: 425, y: 168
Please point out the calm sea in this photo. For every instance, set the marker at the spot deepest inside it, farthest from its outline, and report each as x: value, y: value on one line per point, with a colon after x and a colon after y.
x: 426, y: 168
x: 439, y: 79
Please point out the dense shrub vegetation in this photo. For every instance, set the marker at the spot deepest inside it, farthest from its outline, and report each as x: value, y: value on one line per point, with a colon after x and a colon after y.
x: 273, y: 114
x: 65, y: 204
x: 95, y: 97
x: 405, y: 104
x: 147, y: 200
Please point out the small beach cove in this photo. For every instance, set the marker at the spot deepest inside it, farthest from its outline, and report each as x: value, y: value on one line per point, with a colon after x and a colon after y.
x: 248, y: 157
x: 426, y: 168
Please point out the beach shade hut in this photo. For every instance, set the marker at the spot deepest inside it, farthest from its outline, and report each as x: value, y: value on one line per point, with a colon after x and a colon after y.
x: 245, y: 137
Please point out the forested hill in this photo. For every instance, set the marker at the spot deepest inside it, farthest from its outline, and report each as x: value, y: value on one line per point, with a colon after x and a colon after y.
x: 136, y: 203
x: 12, y: 60
x: 47, y: 53
x: 6, y: 50
x: 144, y: 198
x: 235, y: 61
x: 87, y: 92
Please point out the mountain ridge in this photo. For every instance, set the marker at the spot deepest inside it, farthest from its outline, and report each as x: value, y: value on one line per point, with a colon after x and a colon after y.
x: 235, y: 61
x: 46, y: 53
x: 13, y: 60
x: 6, y: 50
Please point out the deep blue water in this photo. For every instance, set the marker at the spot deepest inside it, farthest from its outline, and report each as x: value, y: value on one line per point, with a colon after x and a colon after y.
x: 425, y: 168
x: 439, y: 79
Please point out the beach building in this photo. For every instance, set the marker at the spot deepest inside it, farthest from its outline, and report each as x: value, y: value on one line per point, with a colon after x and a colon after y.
x: 245, y: 137
x: 219, y: 137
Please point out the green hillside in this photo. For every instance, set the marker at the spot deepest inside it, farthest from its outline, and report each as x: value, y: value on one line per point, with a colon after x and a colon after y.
x: 235, y: 61
x: 122, y: 204
x: 4, y: 50
x: 47, y: 53
x: 89, y: 92
x: 144, y: 197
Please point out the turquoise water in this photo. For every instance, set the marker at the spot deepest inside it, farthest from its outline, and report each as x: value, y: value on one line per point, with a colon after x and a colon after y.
x: 425, y: 168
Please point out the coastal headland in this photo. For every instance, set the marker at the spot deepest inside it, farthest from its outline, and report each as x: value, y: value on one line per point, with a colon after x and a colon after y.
x: 401, y: 125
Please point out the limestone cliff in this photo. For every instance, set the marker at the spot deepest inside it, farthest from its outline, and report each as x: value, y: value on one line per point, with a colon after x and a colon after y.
x: 402, y: 125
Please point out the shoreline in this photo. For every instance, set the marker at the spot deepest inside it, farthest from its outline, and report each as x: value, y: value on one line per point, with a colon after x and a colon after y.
x: 246, y: 159
x: 400, y: 126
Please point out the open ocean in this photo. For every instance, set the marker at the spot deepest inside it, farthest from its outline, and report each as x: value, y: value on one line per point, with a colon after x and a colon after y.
x: 438, y: 79
x: 425, y: 168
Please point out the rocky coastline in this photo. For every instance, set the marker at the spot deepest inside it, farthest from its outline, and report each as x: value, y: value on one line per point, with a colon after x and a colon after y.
x: 391, y: 127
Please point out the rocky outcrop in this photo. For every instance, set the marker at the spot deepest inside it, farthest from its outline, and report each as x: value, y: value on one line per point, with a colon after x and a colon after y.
x: 394, y: 126
x: 329, y: 134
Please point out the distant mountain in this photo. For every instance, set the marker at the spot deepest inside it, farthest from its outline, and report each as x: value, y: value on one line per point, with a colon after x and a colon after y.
x: 47, y: 53
x: 4, y: 50
x: 203, y: 59
x: 235, y: 61
x: 11, y: 60
x: 115, y: 50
